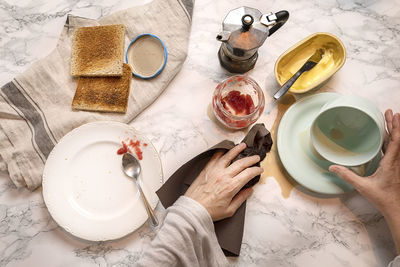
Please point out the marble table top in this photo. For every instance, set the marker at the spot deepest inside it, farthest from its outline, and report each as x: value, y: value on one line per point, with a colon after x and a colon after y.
x: 284, y: 227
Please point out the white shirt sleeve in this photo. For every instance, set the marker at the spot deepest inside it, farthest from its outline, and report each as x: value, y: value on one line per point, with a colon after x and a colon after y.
x: 186, y: 238
x: 395, y: 262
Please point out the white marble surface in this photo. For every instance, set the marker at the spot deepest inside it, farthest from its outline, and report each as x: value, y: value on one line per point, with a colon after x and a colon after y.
x: 302, y: 230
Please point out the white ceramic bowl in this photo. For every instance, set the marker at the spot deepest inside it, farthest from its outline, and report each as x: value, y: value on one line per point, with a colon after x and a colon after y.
x: 348, y: 131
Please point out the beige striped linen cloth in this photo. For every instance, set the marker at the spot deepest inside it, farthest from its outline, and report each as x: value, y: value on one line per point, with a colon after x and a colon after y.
x: 35, y: 107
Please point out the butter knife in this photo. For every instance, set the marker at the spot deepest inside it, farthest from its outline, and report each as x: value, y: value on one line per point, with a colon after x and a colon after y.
x: 311, y: 62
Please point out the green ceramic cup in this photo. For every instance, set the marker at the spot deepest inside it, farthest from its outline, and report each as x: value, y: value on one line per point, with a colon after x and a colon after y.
x: 349, y: 131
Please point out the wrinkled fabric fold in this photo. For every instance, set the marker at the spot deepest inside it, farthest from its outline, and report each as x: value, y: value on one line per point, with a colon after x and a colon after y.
x: 395, y: 262
x: 186, y: 238
x: 35, y: 107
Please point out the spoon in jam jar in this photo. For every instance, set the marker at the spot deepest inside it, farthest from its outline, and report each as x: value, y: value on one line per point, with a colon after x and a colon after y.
x: 132, y: 169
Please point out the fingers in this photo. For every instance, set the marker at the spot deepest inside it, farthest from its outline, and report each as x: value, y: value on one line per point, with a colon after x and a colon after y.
x: 389, y: 118
x: 246, y: 175
x: 393, y: 148
x: 396, y: 127
x: 217, y: 155
x: 231, y: 154
x: 385, y: 142
x: 348, y: 175
x: 238, y: 200
x: 242, y: 164
x: 389, y: 126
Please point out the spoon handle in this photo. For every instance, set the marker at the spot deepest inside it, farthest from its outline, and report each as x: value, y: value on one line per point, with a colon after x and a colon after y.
x: 153, y: 218
x: 288, y: 84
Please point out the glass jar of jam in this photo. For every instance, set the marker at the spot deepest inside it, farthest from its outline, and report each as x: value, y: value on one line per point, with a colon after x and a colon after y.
x: 238, y: 102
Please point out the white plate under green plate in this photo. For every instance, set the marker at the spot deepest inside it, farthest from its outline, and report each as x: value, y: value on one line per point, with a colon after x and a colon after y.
x: 296, y: 152
x: 85, y: 189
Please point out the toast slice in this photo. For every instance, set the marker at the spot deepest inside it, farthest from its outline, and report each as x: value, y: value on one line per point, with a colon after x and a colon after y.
x: 107, y: 94
x: 98, y: 51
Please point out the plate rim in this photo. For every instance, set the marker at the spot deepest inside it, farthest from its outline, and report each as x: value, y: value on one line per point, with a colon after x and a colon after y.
x: 280, y: 137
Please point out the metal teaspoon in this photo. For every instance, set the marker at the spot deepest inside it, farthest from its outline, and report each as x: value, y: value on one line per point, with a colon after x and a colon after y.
x: 132, y: 169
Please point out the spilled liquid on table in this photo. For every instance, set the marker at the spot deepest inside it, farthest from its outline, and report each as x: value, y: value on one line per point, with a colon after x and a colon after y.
x: 272, y: 164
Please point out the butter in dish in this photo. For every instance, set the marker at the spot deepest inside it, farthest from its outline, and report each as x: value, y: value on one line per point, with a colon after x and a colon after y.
x: 292, y: 60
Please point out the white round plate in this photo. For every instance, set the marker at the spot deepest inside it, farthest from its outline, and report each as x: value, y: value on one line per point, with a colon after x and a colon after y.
x: 296, y: 152
x: 85, y: 189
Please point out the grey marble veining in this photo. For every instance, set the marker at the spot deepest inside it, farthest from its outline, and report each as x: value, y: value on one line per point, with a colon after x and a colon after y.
x: 302, y: 230
x: 30, y: 29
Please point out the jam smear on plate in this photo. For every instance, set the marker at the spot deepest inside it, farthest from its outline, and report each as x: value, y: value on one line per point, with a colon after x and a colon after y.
x: 135, y: 145
x: 124, y: 149
x: 130, y: 146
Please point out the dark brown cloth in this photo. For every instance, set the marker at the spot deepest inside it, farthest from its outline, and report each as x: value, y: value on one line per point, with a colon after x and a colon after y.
x: 229, y: 231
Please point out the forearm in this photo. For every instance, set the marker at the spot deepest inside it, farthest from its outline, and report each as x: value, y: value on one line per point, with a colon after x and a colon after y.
x: 187, y: 238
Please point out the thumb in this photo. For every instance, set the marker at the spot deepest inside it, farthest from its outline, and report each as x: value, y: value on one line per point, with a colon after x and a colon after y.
x: 347, y: 175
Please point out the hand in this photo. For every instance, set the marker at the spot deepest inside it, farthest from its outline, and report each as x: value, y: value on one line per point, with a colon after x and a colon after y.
x: 217, y: 186
x: 382, y: 188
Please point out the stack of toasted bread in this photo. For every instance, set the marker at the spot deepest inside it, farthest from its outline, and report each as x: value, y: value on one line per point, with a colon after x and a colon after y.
x: 97, y: 60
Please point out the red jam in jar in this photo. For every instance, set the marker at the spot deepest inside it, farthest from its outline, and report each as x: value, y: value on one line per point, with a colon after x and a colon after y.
x: 238, y: 102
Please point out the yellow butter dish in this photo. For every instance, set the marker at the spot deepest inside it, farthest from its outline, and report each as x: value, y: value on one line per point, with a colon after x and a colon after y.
x: 292, y: 60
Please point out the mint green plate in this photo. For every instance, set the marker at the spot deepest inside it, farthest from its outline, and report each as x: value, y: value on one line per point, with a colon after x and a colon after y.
x: 296, y: 152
